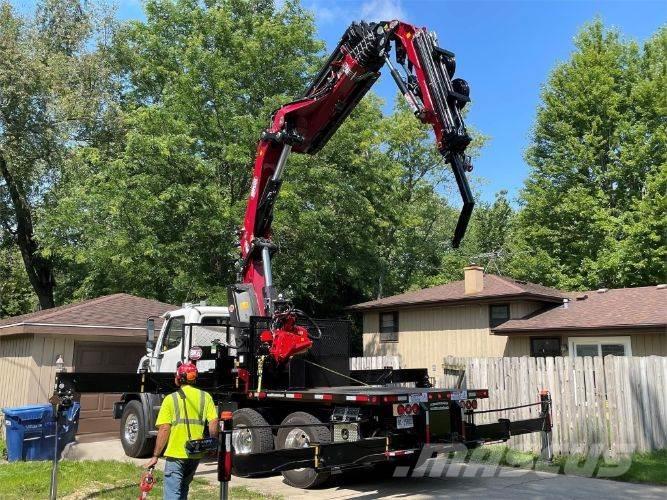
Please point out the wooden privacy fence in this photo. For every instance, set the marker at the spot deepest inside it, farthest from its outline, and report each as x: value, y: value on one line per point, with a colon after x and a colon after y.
x: 616, y: 405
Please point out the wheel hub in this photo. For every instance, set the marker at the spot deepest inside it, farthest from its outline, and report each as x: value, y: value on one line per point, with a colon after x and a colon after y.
x: 297, y: 438
x: 242, y: 440
x: 131, y: 430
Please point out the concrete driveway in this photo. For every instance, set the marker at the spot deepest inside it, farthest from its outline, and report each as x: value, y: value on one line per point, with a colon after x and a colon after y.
x: 467, y: 481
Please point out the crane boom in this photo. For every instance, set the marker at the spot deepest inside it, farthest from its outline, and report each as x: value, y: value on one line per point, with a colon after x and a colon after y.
x: 306, y: 124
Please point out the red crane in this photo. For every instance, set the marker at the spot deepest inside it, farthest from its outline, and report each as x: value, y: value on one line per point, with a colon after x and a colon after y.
x: 306, y: 124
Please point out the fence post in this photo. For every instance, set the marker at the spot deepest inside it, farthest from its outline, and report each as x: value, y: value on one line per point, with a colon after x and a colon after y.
x: 547, y: 448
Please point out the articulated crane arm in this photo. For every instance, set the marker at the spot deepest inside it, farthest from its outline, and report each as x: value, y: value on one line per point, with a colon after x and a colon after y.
x: 305, y: 126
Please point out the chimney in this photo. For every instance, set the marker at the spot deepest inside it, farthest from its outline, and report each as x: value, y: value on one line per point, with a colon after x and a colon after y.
x: 474, y: 279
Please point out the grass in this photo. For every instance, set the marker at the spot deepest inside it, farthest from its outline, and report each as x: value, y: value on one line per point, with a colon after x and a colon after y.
x: 648, y: 468
x: 104, y: 479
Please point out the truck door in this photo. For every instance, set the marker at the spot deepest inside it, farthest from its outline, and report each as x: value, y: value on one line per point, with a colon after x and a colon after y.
x: 170, y: 345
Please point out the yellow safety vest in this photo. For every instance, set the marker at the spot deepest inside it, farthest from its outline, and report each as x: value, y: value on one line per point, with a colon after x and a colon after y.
x: 200, y: 408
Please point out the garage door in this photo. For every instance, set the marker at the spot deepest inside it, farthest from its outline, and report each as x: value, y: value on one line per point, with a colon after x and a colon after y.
x: 97, y: 408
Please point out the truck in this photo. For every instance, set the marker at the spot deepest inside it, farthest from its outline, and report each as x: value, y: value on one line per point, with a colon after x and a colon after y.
x: 297, y: 407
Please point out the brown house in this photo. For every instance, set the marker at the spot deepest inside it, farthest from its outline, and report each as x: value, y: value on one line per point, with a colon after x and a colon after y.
x: 486, y: 315
x: 106, y: 334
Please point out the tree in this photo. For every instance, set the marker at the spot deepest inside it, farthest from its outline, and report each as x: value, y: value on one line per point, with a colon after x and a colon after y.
x: 52, y: 97
x: 155, y: 213
x: 488, y: 242
x: 597, y: 150
x: 420, y: 220
x: 15, y: 292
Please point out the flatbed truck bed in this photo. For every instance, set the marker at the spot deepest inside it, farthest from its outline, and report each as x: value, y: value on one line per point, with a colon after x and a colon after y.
x: 371, y: 394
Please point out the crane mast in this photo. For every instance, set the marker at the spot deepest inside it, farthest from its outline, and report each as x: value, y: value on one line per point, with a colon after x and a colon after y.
x: 306, y: 124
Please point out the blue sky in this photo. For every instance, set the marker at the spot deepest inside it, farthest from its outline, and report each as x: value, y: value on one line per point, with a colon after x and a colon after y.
x: 505, y: 50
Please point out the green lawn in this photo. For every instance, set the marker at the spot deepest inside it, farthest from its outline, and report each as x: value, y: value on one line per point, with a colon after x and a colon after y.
x: 94, y: 479
x: 644, y: 467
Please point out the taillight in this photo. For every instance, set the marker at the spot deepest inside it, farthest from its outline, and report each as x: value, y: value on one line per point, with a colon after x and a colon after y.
x: 406, y: 409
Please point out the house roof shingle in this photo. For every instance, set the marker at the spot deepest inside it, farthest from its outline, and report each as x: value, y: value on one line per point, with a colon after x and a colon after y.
x: 614, y: 308
x: 494, y: 287
x: 120, y: 311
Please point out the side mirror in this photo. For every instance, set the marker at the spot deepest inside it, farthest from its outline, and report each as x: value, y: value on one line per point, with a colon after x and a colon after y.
x: 150, y: 334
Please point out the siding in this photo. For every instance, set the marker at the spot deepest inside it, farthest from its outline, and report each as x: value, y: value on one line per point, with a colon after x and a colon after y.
x: 45, y: 350
x: 16, y: 370
x: 428, y: 334
x: 27, y: 367
x: 650, y: 344
x: 643, y: 344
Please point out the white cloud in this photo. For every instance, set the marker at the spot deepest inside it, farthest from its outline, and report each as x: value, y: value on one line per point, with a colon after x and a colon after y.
x: 327, y: 12
x: 382, y: 10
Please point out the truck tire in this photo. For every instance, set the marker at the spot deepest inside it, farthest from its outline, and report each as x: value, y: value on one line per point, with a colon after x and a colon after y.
x: 247, y: 441
x: 133, y: 434
x: 296, y: 437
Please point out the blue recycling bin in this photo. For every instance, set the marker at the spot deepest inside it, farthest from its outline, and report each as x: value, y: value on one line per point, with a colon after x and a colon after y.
x: 30, y: 431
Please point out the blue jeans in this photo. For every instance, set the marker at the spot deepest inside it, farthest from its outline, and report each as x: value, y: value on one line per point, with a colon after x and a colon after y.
x: 178, y: 474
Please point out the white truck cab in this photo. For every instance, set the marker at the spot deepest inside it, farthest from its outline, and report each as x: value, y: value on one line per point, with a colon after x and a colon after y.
x: 192, y: 325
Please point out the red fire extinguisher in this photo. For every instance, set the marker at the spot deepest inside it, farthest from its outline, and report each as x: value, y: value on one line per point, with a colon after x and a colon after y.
x: 147, y: 483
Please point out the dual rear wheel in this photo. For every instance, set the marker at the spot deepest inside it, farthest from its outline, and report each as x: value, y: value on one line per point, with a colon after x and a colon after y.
x: 252, y: 434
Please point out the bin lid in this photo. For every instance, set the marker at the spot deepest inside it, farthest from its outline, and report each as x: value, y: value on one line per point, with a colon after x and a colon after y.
x: 29, y: 412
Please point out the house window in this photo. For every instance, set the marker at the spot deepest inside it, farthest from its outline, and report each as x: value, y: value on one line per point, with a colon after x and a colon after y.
x: 545, y: 346
x: 498, y: 314
x: 600, y: 346
x: 389, y: 326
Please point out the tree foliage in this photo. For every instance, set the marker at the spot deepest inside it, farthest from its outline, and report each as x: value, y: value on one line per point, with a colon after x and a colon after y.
x: 155, y: 212
x: 593, y: 207
x: 126, y: 153
x: 53, y: 99
x: 488, y: 242
x: 15, y: 293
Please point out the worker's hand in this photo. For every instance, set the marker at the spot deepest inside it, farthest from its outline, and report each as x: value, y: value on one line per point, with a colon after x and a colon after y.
x: 151, y: 463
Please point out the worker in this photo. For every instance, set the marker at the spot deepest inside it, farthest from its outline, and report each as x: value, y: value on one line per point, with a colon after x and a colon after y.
x: 182, y: 418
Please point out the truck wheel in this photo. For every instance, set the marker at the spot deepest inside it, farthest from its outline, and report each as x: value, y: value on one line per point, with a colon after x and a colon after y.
x: 250, y: 440
x: 133, y: 435
x: 302, y: 437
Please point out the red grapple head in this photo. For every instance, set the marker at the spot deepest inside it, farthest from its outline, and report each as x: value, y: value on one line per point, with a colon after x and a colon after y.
x: 186, y: 373
x: 288, y: 343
